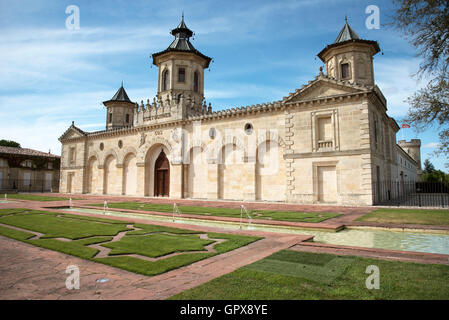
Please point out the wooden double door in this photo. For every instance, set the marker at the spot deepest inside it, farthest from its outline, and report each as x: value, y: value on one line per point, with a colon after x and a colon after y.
x: 162, y: 176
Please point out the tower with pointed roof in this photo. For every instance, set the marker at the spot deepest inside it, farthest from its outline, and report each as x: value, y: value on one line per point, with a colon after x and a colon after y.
x: 181, y: 69
x: 350, y: 58
x: 120, y: 110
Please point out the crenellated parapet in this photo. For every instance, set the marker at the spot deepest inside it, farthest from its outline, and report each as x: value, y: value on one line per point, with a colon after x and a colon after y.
x: 171, y: 108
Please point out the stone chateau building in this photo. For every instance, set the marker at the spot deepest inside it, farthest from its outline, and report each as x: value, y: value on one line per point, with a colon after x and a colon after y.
x: 327, y: 142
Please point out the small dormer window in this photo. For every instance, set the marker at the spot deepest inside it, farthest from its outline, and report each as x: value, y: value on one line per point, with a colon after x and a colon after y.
x: 345, y: 71
x: 181, y: 75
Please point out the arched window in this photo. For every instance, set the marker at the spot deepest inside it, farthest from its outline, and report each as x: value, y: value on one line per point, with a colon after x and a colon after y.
x: 196, y: 82
x: 165, y: 79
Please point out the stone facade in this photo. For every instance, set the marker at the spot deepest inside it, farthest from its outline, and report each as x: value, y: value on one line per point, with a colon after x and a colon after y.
x: 326, y: 142
x: 23, y: 169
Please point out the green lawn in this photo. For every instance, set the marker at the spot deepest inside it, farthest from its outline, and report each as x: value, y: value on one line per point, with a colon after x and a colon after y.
x: 34, y: 197
x: 294, y: 275
x: 292, y: 216
x: 408, y: 216
x: 62, y: 227
x: 157, y: 245
x: 152, y: 241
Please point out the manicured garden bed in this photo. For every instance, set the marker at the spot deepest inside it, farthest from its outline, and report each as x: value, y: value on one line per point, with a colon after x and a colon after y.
x: 292, y: 216
x: 292, y: 275
x: 408, y: 216
x: 142, y: 249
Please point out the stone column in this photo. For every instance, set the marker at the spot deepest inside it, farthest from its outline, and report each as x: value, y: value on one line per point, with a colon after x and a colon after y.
x: 101, y: 178
x: 249, y: 180
x: 140, y: 190
x: 366, y: 159
x: 62, y: 181
x: 176, y: 181
x: 212, y: 180
x: 119, y: 182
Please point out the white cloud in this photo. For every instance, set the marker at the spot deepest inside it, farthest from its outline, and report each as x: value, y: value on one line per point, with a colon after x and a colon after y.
x: 37, y: 121
x: 394, y: 78
x: 96, y: 126
x: 31, y: 58
x: 431, y: 145
x: 240, y: 94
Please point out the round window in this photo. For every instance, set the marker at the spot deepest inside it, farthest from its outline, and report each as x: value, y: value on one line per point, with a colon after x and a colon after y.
x: 120, y: 144
x: 248, y: 128
x: 101, y: 146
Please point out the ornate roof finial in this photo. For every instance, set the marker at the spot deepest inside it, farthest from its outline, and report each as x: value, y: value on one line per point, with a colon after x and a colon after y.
x: 182, y: 42
x: 122, y: 83
x: 346, y: 33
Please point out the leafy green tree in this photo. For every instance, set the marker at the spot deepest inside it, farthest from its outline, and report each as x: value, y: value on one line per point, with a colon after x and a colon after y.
x: 9, y: 143
x: 428, y: 166
x: 436, y: 176
x: 425, y: 24
x: 430, y: 174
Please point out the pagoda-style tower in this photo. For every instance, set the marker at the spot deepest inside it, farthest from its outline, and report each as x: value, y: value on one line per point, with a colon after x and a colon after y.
x: 120, y: 110
x: 181, y: 69
x: 350, y: 58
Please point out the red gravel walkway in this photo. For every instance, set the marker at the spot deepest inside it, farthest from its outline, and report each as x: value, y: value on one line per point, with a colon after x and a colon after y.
x: 29, y: 272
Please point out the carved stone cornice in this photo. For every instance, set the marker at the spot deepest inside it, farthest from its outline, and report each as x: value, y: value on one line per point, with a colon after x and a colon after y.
x: 319, y: 154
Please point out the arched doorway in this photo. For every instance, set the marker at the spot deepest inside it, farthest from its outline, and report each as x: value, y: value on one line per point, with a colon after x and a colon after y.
x: 161, y: 176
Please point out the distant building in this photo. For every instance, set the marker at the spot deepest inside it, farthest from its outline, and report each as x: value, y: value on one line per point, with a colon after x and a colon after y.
x: 409, y: 161
x: 329, y: 141
x: 23, y: 169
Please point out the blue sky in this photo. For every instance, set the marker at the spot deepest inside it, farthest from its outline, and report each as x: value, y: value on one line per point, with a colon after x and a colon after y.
x: 262, y: 50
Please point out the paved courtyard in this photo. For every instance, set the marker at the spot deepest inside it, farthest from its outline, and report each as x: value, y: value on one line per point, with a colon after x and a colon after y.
x: 29, y: 272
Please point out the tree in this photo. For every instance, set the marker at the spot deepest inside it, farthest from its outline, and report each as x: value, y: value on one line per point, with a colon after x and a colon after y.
x: 430, y: 174
x: 428, y: 166
x: 436, y: 176
x: 425, y: 24
x: 9, y: 143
